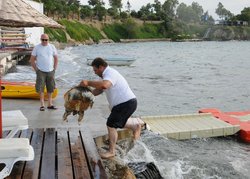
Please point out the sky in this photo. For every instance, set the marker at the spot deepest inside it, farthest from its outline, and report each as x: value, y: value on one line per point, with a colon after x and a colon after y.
x: 234, y: 6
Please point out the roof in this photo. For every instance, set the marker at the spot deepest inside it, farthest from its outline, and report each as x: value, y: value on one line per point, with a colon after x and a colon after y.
x: 18, y: 13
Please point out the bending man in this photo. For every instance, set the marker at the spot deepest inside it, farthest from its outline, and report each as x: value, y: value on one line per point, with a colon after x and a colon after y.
x: 121, y: 99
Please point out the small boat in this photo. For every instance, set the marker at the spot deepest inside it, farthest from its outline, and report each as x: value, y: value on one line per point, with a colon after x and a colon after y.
x: 115, y: 61
x: 22, y: 90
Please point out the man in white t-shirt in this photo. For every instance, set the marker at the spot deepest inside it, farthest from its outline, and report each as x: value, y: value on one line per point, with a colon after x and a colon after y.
x: 121, y: 99
x: 44, y: 61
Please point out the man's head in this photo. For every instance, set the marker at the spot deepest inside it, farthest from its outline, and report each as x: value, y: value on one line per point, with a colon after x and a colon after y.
x: 44, y: 39
x: 99, y: 66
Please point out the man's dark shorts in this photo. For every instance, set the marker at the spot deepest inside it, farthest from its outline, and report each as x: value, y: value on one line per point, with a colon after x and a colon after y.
x: 120, y: 113
x: 45, y: 78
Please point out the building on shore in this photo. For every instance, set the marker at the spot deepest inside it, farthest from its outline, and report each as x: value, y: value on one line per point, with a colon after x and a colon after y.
x: 34, y: 33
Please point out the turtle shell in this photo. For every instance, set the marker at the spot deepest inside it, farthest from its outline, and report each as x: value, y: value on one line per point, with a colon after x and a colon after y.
x: 77, y: 100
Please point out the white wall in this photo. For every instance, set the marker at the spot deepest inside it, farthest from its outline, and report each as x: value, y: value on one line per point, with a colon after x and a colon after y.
x: 34, y: 32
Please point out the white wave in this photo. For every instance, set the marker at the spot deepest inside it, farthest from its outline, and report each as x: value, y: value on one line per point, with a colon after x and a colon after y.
x: 241, y: 165
x: 139, y: 153
x: 23, y: 73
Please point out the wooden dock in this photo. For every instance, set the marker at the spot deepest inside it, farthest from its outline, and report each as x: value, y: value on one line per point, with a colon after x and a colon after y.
x: 59, y: 154
x: 190, y: 126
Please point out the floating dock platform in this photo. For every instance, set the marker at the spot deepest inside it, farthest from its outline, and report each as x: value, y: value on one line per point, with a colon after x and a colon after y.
x: 234, y: 118
x: 188, y: 126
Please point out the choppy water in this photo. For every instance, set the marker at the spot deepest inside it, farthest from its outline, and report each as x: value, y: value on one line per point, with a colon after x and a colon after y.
x: 175, y: 78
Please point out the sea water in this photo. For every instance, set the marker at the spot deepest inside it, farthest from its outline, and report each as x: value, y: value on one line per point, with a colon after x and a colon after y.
x: 174, y: 78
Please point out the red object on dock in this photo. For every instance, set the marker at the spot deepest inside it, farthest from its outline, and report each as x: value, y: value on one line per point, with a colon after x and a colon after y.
x: 1, y: 125
x: 233, y: 118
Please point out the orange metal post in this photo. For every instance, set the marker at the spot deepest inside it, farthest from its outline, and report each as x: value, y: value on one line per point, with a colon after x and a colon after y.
x: 1, y: 124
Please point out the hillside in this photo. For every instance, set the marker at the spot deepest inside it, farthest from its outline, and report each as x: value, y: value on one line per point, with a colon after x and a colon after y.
x: 93, y: 31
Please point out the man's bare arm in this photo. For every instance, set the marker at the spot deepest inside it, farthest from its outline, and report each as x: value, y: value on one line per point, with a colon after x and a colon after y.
x: 101, y: 85
x: 55, y: 62
x: 33, y: 62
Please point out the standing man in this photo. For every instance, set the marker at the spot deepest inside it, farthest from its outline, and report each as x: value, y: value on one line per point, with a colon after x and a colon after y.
x: 121, y: 99
x: 44, y: 61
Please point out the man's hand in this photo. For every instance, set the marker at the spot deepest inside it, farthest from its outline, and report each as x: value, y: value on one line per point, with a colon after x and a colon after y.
x: 84, y: 83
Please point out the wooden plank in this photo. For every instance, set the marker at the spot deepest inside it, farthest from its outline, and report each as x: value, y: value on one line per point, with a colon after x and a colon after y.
x: 17, y: 31
x: 12, y: 38
x: 14, y: 35
x: 200, y: 124
x: 32, y: 167
x: 48, y: 166
x: 182, y: 124
x: 63, y: 155
x: 19, y: 166
x: 80, y: 166
x: 6, y: 44
x: 12, y: 42
x: 64, y: 158
x: 95, y: 162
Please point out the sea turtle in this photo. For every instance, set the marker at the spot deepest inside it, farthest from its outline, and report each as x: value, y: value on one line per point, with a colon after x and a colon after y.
x: 77, y: 100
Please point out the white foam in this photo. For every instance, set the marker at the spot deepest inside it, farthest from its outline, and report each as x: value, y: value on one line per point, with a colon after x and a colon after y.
x: 139, y: 153
x: 23, y: 73
x: 241, y: 165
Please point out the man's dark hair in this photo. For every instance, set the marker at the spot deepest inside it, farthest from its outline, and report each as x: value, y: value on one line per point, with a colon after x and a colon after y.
x: 97, y: 62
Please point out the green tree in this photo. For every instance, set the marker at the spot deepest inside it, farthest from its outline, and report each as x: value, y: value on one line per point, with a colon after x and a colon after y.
x: 100, y: 11
x: 245, y: 14
x: 134, y: 14
x: 116, y: 4
x: 128, y: 6
x: 222, y: 12
x: 145, y: 11
x: 85, y: 12
x: 157, y: 8
x: 123, y: 15
x: 62, y: 10
x: 182, y: 12
x: 50, y: 8
x: 75, y: 10
x: 130, y: 28
x: 198, y: 10
x: 168, y: 9
x: 113, y: 12
x: 190, y: 14
x: 93, y: 2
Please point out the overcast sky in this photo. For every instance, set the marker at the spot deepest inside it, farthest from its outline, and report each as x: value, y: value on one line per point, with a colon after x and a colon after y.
x: 234, y: 6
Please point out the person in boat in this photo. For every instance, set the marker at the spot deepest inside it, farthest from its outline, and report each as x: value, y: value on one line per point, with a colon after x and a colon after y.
x: 122, y: 102
x: 44, y: 61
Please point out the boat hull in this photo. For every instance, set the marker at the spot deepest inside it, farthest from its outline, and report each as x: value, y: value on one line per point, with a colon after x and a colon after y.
x: 115, y: 61
x: 22, y: 90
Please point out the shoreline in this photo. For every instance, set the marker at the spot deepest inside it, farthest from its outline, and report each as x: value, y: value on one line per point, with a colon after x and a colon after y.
x: 62, y: 46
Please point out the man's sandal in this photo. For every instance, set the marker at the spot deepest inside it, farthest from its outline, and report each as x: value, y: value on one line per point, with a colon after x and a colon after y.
x: 42, y: 108
x: 52, y: 107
